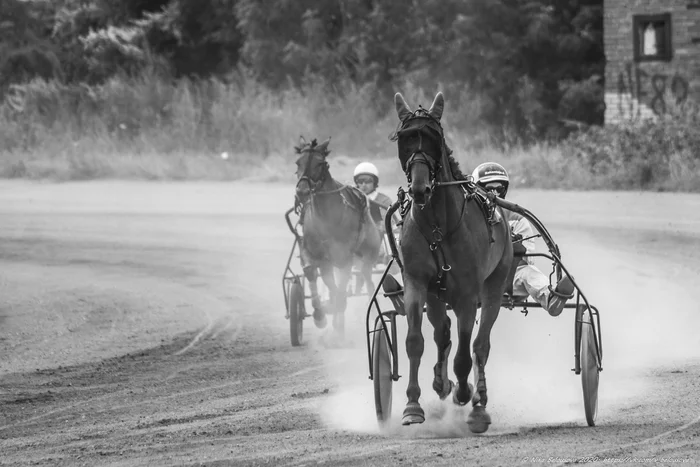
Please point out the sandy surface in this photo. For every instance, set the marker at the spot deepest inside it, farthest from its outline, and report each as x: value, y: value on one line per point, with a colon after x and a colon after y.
x: 143, y: 324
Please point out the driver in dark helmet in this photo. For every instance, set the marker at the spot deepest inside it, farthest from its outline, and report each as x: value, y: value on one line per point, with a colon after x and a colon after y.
x: 528, y: 279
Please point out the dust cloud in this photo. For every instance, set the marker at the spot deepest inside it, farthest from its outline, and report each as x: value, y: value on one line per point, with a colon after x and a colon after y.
x: 649, y: 321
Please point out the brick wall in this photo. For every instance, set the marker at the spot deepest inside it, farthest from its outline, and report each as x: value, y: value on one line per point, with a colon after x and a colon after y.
x: 644, y: 89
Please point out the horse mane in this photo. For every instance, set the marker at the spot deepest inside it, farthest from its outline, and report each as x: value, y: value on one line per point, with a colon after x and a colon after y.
x: 454, y: 166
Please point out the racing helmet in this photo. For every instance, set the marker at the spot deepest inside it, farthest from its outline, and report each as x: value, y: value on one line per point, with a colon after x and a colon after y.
x: 491, y: 172
x: 366, y: 168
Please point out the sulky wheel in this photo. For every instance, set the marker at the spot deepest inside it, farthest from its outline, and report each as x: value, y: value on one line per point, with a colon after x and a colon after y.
x: 297, y: 312
x: 590, y: 373
x: 381, y: 372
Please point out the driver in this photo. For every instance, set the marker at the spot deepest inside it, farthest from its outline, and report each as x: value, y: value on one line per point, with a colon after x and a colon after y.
x: 528, y: 279
x: 366, y: 177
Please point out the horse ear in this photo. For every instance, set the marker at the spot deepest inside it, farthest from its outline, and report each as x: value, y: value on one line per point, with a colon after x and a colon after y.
x: 438, y: 106
x: 323, y: 147
x: 302, y: 141
x: 401, y: 107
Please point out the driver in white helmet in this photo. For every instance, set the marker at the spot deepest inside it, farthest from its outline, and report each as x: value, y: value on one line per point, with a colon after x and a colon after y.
x: 528, y: 280
x: 366, y: 177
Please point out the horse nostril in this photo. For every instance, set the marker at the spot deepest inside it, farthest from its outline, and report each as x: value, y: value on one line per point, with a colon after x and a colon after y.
x: 428, y: 191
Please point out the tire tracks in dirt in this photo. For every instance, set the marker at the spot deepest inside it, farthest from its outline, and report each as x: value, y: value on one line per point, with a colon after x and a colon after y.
x: 172, y: 395
x: 605, y: 453
x: 227, y: 387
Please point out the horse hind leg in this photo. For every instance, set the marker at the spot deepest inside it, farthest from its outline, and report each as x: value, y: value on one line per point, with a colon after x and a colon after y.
x: 437, y: 315
x: 360, y: 279
x: 370, y: 256
x: 366, y: 271
x: 320, y: 308
x: 340, y: 298
x: 479, y: 420
x: 466, y: 314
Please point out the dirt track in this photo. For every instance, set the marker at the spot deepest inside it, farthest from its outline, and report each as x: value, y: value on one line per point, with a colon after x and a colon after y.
x: 143, y: 324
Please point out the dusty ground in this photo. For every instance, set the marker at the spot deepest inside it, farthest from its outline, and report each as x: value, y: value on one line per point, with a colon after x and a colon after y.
x: 143, y: 324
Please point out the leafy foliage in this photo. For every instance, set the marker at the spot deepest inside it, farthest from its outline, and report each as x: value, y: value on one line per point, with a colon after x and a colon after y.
x: 640, y: 156
x: 524, y: 65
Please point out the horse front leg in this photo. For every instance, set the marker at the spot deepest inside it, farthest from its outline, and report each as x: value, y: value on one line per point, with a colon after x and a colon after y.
x: 414, y: 298
x: 437, y: 315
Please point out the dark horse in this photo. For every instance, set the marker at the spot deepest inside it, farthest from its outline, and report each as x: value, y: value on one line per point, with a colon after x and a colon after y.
x: 451, y: 255
x: 337, y: 229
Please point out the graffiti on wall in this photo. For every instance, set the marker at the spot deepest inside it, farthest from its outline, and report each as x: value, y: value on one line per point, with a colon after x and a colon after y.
x: 657, y: 90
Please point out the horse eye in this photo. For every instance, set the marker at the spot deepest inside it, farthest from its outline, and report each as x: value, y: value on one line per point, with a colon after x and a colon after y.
x: 412, y: 137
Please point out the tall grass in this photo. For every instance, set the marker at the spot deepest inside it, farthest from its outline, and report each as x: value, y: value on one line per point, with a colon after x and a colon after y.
x: 156, y: 128
x: 153, y: 128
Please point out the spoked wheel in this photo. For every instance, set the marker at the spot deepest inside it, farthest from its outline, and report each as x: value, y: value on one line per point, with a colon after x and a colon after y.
x: 590, y: 374
x: 381, y: 372
x: 297, y: 312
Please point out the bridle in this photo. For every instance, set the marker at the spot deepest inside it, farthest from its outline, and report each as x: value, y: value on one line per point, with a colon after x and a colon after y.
x: 313, y: 185
x: 419, y: 156
x: 427, y: 224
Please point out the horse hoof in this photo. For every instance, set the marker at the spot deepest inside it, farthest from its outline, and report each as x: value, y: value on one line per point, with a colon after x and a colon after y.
x: 455, y: 393
x: 478, y: 420
x: 413, y: 413
x: 443, y: 390
x: 320, y: 321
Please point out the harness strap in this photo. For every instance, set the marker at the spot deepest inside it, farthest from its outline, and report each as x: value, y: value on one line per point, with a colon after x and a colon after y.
x: 435, y: 242
x: 311, y: 204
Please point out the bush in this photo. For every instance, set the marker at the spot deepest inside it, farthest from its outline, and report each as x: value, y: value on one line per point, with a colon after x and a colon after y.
x: 151, y: 117
x: 660, y: 155
x: 158, y: 128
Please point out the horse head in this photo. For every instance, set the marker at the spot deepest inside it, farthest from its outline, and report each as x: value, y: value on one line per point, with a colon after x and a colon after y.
x: 312, y: 167
x: 421, y: 145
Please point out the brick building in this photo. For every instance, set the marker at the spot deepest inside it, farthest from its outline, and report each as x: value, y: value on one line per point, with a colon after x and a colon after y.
x: 653, y: 57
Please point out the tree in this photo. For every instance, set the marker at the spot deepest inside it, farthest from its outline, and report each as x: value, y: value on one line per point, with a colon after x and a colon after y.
x: 25, y: 51
x: 529, y: 63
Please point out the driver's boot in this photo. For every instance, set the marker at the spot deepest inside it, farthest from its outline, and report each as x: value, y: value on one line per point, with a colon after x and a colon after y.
x: 555, y: 303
